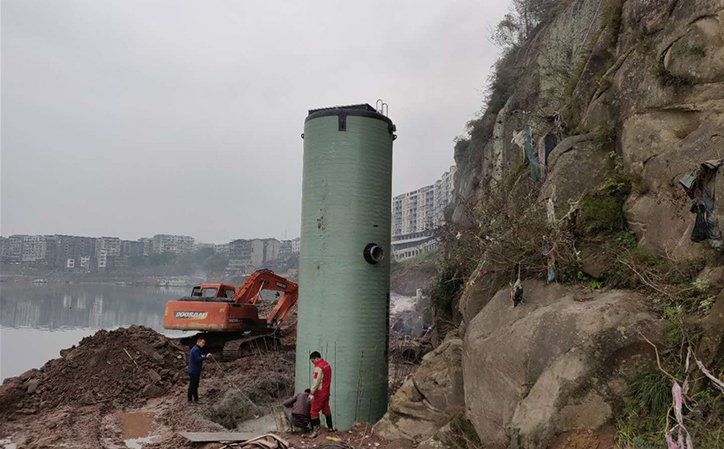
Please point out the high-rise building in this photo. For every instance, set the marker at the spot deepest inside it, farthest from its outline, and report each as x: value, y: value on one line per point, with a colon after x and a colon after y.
x: 413, y: 211
x: 177, y: 244
x: 246, y: 254
x: 70, y: 247
x: 108, y: 252
x: 271, y: 250
x: 289, y: 246
x: 33, y: 248
x: 14, y: 249
x: 443, y: 195
x: 417, y: 214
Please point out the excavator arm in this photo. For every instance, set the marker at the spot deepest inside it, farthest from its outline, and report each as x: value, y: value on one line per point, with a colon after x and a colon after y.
x: 248, y: 293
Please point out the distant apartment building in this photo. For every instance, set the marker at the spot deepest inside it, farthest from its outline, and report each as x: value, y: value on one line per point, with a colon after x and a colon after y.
x: 271, y: 250
x: 177, y: 244
x: 130, y: 249
x: 443, y: 196
x: 222, y: 250
x: 416, y: 215
x: 289, y: 246
x: 246, y: 254
x: 252, y: 254
x: 413, y: 211
x: 108, y: 252
x: 71, y: 250
x: 200, y: 245
x: 33, y: 248
x: 285, y: 247
x: 13, y: 249
x: 147, y: 245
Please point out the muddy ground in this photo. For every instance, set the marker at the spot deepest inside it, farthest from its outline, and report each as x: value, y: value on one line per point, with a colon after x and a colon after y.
x: 127, y: 388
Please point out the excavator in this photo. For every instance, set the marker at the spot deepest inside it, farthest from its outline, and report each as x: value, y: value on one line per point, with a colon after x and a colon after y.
x: 229, y: 317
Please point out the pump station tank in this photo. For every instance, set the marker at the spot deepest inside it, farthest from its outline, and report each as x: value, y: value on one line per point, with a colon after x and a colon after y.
x: 344, y: 261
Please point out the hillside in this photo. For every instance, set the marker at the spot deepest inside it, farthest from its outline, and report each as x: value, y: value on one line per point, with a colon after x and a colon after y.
x: 603, y: 131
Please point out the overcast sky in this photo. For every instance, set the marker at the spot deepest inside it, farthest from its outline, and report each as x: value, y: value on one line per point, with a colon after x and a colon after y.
x: 133, y: 118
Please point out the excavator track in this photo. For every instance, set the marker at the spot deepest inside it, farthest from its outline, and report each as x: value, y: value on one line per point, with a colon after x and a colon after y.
x: 250, y: 345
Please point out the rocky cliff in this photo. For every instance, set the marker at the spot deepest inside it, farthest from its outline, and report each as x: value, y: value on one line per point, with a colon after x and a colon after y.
x: 592, y: 178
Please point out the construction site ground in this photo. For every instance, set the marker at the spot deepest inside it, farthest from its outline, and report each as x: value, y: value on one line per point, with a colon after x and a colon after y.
x: 127, y: 388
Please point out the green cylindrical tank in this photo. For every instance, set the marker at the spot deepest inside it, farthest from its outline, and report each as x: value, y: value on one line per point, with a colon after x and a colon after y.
x: 344, y: 261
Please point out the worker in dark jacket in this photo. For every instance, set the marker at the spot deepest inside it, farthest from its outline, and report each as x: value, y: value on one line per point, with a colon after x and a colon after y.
x: 194, y: 370
x: 296, y: 410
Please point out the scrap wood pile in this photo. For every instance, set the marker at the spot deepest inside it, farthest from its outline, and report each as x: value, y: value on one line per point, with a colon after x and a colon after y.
x: 118, y: 368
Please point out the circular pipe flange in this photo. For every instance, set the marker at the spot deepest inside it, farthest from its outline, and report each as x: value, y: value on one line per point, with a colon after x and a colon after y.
x: 374, y: 253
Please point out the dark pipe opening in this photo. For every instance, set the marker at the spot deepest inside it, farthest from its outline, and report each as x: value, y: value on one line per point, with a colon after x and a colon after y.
x: 374, y: 253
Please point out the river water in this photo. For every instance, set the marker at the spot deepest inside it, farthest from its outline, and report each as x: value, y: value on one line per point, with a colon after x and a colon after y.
x: 38, y: 320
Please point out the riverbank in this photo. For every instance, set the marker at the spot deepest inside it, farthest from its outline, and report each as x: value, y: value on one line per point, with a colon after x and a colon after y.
x: 127, y: 388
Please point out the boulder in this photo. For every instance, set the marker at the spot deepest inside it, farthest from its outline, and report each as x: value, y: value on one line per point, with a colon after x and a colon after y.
x: 661, y: 217
x: 554, y: 364
x: 28, y: 374
x: 582, y: 167
x: 33, y: 385
x: 429, y: 399
x: 482, y: 285
x: 153, y: 391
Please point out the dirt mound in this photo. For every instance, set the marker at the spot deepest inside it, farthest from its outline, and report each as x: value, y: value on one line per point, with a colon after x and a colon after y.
x: 117, y: 369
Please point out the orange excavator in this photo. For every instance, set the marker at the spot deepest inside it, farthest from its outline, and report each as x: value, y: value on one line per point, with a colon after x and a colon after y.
x: 229, y: 317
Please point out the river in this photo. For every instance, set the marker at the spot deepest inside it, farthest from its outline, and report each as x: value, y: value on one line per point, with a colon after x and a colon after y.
x: 38, y: 320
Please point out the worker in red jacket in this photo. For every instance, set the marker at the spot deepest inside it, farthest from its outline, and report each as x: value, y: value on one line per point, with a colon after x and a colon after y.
x: 320, y: 392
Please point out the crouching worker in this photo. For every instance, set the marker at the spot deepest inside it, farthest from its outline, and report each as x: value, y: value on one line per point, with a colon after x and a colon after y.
x: 296, y: 410
x: 320, y: 392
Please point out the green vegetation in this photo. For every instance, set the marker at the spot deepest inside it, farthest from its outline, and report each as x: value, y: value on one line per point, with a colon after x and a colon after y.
x: 446, y: 286
x: 697, y: 50
x: 612, y: 18
x: 668, y: 79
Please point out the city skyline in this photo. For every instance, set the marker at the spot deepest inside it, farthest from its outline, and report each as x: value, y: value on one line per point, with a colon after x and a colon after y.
x: 110, y: 127
x: 450, y: 171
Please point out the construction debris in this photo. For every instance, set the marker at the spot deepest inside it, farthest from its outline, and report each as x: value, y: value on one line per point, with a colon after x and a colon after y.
x: 217, y: 437
x: 268, y: 441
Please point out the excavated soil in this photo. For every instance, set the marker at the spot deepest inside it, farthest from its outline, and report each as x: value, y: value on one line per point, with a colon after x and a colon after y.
x: 131, y: 383
x: 111, y: 369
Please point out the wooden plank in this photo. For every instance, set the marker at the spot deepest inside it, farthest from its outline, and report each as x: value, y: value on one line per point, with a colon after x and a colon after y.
x: 217, y: 437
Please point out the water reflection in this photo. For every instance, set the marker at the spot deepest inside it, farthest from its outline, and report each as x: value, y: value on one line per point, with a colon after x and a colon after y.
x: 56, y: 307
x: 37, y: 321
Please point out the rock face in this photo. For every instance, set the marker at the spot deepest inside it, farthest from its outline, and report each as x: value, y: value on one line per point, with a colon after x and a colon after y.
x: 554, y: 364
x: 632, y: 87
x: 430, y: 399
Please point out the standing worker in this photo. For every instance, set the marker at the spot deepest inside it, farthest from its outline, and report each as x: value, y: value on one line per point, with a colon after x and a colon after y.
x: 320, y: 392
x: 194, y: 370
